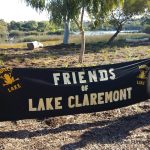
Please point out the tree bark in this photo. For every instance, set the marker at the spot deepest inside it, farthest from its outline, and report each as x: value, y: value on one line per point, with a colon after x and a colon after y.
x: 115, y: 35
x: 66, y: 32
x: 81, y: 57
x: 82, y: 50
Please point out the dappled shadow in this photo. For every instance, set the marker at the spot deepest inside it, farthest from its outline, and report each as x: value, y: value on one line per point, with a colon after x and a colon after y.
x: 13, y: 49
x: 102, y: 131
x: 113, y: 133
x: 49, y: 51
x: 22, y: 134
x: 63, y: 50
x: 123, y: 43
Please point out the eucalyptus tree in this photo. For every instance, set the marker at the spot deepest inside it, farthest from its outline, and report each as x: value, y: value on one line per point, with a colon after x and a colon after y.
x: 62, y: 11
x: 96, y: 9
x: 39, y: 5
x: 58, y: 11
x: 66, y: 10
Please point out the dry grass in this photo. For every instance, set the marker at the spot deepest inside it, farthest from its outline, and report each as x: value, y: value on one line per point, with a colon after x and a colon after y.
x: 53, y: 40
x: 57, y: 56
x: 106, y: 37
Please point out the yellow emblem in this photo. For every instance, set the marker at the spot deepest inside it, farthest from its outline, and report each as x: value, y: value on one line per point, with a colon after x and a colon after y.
x: 8, y: 79
x: 142, y: 75
x: 143, y: 72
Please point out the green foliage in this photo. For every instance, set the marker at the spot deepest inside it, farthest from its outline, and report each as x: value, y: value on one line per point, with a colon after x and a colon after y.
x: 73, y: 26
x: 133, y: 25
x: 3, y: 28
x: 39, y: 5
x: 55, y: 33
x: 46, y: 26
x: 146, y: 24
x: 129, y: 9
x: 14, y: 25
x: 29, y: 26
x: 15, y: 33
x: 32, y: 26
x: 146, y: 29
x: 34, y: 38
x: 147, y: 21
x: 65, y: 10
x: 41, y: 26
x: 41, y: 38
x: 121, y: 15
x: 31, y: 33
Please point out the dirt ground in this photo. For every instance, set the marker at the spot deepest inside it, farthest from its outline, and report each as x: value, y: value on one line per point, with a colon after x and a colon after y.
x: 121, y: 129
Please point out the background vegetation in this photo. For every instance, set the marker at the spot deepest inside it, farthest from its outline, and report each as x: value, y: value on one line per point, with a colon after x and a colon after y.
x: 32, y: 30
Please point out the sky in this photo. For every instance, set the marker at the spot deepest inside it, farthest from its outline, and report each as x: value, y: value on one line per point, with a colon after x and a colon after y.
x: 17, y: 10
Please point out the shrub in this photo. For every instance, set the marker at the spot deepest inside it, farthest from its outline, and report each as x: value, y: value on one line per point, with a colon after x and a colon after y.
x: 42, y: 38
x: 147, y: 29
x: 55, y: 33
x: 16, y: 33
x: 34, y: 38
x: 32, y: 33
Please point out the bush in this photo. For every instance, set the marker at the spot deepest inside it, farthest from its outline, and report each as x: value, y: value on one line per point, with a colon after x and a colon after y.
x: 147, y: 29
x: 32, y: 33
x: 2, y: 39
x: 55, y: 33
x: 16, y: 33
x: 41, y: 38
x: 34, y: 38
x: 3, y: 34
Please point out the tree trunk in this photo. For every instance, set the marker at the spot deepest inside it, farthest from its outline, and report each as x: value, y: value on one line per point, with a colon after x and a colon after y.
x: 82, y: 47
x: 82, y: 34
x: 66, y: 32
x: 115, y: 35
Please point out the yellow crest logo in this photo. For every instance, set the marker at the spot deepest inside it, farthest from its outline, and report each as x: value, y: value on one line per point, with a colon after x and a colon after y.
x: 143, y: 74
x: 8, y: 80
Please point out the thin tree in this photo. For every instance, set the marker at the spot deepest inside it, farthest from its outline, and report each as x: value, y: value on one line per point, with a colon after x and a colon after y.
x: 58, y: 12
x: 66, y: 10
x: 119, y: 16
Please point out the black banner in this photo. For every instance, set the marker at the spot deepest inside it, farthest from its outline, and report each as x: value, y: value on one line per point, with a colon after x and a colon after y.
x: 40, y: 93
